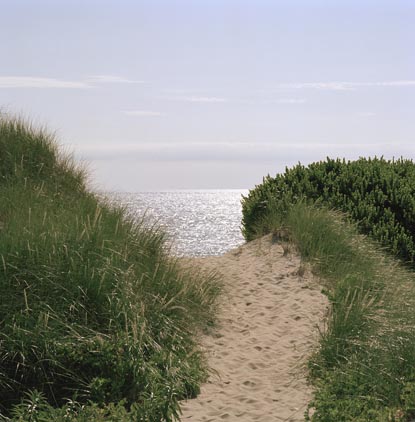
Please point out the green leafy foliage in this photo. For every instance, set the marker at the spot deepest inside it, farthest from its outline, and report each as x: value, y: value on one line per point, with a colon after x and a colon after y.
x: 376, y: 193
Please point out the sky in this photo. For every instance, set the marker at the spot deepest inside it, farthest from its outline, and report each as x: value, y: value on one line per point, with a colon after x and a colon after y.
x: 208, y: 94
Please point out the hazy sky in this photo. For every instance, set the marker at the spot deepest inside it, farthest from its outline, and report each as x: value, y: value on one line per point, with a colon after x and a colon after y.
x: 211, y: 93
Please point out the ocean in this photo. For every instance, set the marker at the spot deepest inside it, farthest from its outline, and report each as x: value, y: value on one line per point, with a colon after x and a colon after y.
x: 198, y: 222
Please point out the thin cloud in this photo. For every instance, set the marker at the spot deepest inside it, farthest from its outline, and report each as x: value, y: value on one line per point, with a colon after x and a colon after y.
x: 204, y: 99
x: 395, y: 83
x: 40, y: 82
x: 367, y: 114
x: 237, y: 151
x: 334, y: 86
x: 142, y: 113
x: 112, y: 79
x: 347, y: 86
x: 35, y: 82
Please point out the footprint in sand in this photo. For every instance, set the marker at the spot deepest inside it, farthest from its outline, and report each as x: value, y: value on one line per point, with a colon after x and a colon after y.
x: 249, y: 383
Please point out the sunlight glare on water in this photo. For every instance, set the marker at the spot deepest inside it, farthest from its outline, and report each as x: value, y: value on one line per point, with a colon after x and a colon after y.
x: 199, y: 222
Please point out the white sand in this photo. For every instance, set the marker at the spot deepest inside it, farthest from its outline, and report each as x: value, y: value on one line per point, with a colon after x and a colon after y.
x: 267, y: 330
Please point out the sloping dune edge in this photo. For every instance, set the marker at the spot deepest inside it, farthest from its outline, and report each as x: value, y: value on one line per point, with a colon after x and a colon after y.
x: 268, y: 326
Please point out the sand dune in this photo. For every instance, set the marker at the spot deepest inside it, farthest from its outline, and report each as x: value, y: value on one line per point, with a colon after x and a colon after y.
x: 267, y: 329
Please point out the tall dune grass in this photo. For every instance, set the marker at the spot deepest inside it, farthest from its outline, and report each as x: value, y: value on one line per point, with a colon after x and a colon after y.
x: 93, y: 309
x: 364, y: 368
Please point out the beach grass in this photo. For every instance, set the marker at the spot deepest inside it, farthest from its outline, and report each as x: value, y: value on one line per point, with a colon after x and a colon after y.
x: 97, y: 320
x: 363, y: 369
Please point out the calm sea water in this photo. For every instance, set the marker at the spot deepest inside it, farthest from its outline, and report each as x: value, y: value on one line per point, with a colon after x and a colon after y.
x: 199, y: 222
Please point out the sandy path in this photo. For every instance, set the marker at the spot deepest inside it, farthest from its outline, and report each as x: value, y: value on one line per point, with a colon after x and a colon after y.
x: 267, y: 329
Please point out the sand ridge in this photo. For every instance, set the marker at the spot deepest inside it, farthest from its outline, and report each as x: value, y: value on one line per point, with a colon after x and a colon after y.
x: 267, y: 329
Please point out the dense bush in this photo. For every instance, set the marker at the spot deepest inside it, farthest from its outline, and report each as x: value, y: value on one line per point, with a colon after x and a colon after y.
x: 376, y: 193
x: 92, y: 307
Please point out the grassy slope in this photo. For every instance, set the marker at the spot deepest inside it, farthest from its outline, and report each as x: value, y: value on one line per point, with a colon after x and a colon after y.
x: 93, y: 309
x: 377, y: 194
x: 364, y: 369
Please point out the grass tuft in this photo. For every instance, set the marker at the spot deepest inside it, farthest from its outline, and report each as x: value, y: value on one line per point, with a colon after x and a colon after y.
x: 95, y: 316
x: 364, y: 367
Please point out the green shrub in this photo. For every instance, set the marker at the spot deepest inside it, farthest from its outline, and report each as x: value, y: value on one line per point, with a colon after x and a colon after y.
x: 93, y: 308
x: 376, y: 193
